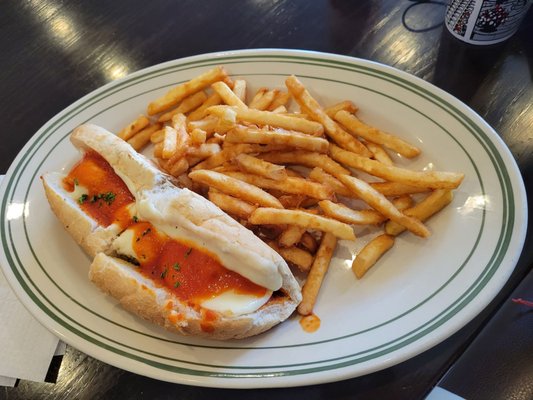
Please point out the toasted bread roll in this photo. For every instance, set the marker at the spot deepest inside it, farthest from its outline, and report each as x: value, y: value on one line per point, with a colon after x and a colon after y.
x: 141, y: 296
x: 178, y: 215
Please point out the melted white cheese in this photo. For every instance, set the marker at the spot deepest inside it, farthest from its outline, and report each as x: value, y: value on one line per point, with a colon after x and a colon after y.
x: 79, y: 190
x: 231, y: 303
x: 186, y: 216
x: 228, y: 303
x: 123, y: 244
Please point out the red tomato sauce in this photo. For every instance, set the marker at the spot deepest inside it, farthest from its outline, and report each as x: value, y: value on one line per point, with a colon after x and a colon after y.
x: 190, y: 273
x: 108, y: 196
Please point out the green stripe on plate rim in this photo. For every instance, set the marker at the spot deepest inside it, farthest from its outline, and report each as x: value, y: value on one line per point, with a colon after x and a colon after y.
x: 414, y: 335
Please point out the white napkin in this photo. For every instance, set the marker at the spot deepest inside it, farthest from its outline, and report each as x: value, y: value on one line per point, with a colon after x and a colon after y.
x: 26, y: 347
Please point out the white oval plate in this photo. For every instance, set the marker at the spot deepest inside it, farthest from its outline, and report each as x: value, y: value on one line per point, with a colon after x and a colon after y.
x: 420, y: 293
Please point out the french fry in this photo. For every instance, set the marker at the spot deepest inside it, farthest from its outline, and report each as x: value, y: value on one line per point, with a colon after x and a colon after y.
x: 142, y: 138
x: 309, y: 202
x: 203, y: 151
x: 293, y: 173
x: 177, y: 168
x: 235, y: 188
x: 264, y: 101
x: 429, y: 179
x: 228, y: 166
x: 158, y: 149
x: 241, y: 134
x: 290, y: 185
x: 256, y: 148
x: 182, y: 140
x: 231, y: 205
x: 133, y: 127
x: 301, y: 258
x: 226, y: 120
x: 239, y: 88
x: 317, y: 273
x: 189, y: 103
x: 292, y: 200
x: 317, y: 174
x: 397, y: 188
x: 208, y: 124
x: 279, y: 110
x: 343, y: 105
x: 309, y: 242
x: 259, y: 167
x: 291, y: 235
x: 178, y: 93
x: 269, y: 216
x: 227, y: 95
x: 372, y: 252
x: 429, y: 206
x: 225, y: 155
x: 306, y: 158
x: 213, y: 100
x: 402, y: 202
x: 272, y: 119
x: 301, y: 115
x: 157, y: 136
x: 379, y: 153
x: 355, y: 217
x: 198, y: 136
x: 380, y: 203
x: 281, y: 100
x: 257, y: 97
x: 358, y: 128
x: 170, y: 142
x: 310, y: 106
x: 216, y: 138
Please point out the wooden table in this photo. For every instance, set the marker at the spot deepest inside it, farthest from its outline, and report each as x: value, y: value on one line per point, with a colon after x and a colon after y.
x: 55, y: 52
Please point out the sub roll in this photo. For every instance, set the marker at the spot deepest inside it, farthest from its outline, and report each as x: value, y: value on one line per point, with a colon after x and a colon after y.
x: 166, y: 253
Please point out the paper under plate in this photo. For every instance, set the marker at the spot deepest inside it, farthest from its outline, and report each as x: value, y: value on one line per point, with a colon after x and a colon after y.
x: 420, y: 293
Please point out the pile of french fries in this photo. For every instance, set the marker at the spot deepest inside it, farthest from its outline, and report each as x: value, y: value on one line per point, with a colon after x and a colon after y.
x: 287, y: 175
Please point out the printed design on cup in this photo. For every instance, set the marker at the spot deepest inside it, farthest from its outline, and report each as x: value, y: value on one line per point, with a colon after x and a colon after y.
x: 490, y: 19
x: 498, y: 19
x: 458, y: 14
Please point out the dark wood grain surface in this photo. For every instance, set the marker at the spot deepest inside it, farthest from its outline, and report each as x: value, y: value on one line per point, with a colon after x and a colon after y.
x: 54, y: 52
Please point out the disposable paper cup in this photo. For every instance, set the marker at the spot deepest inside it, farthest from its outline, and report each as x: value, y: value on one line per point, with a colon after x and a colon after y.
x: 485, y: 21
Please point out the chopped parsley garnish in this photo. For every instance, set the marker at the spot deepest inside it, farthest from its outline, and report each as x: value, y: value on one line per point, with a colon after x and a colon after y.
x: 82, y: 198
x: 76, y: 182
x: 164, y: 273
x: 135, y: 218
x: 177, y: 284
x: 188, y: 252
x: 176, y: 267
x: 108, y: 197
